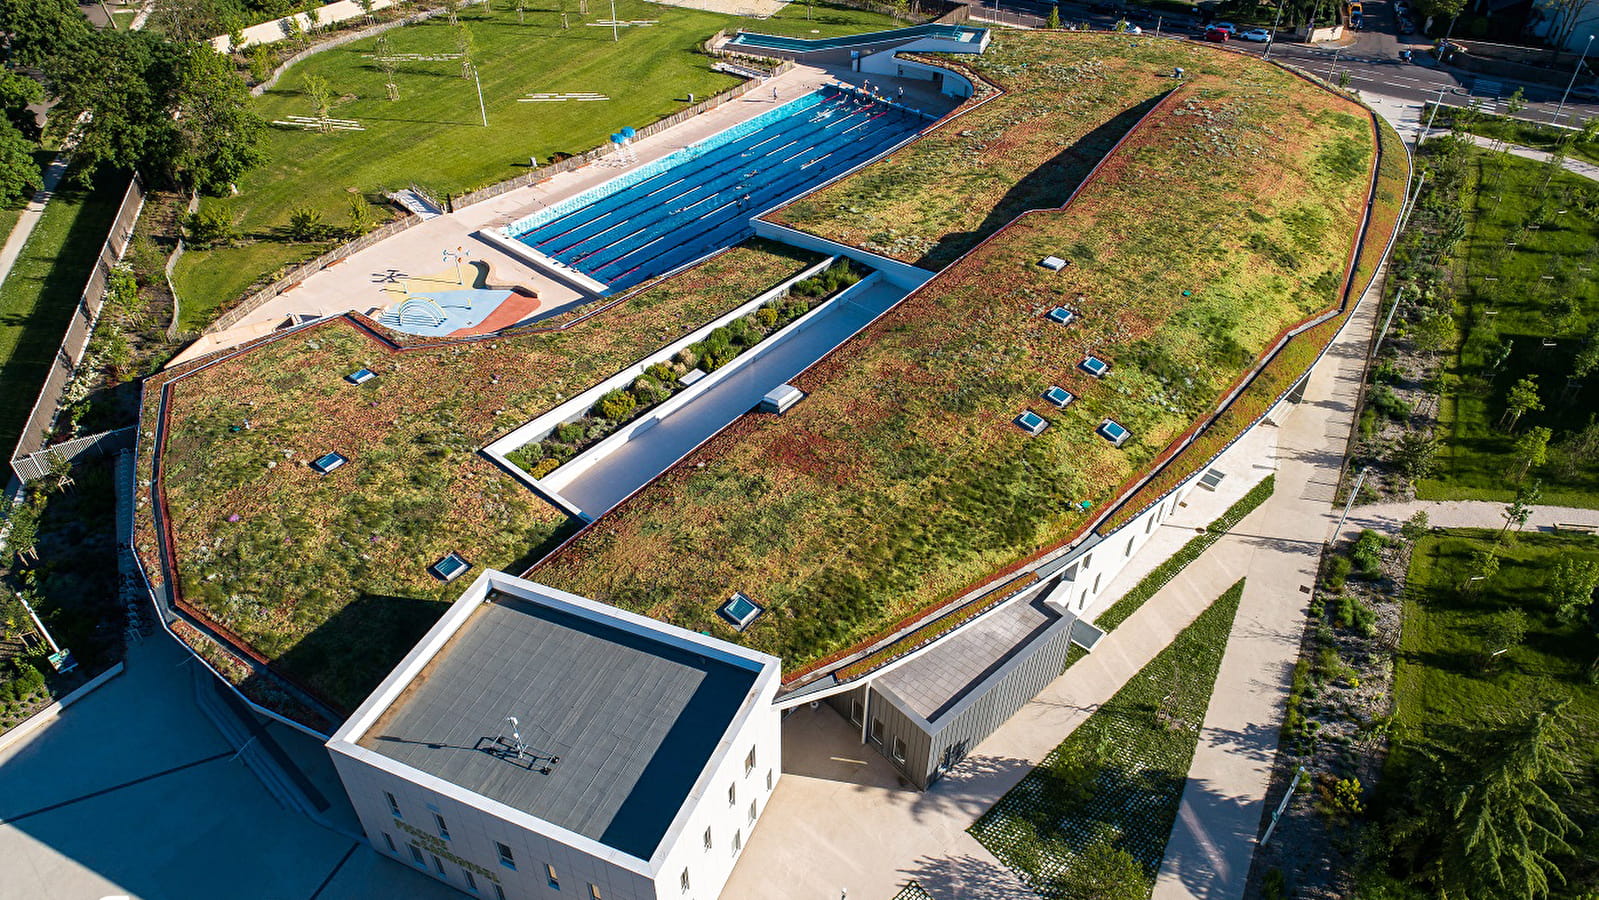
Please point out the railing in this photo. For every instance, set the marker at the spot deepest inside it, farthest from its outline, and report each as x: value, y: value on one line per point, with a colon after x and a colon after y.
x: 37, y: 465
x: 41, y: 420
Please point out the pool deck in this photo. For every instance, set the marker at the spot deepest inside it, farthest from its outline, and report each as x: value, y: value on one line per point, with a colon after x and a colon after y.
x: 355, y: 283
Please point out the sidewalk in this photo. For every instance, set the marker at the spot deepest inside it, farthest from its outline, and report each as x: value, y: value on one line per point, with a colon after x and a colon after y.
x: 1388, y: 517
x: 1277, y: 548
x: 21, y: 231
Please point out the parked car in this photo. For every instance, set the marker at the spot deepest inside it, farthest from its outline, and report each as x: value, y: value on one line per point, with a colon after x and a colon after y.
x: 1406, y: 26
x: 1230, y: 28
x: 1258, y: 35
x: 1216, y: 35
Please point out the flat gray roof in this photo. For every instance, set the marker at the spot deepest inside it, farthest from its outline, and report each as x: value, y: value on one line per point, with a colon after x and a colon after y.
x: 633, y: 720
x: 931, y: 684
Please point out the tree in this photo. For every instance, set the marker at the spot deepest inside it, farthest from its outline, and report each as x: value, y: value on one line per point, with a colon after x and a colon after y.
x: 1495, y: 811
x: 463, y: 46
x: 1104, y: 872
x: 1415, y: 454
x: 1483, y: 567
x: 1504, y: 631
x: 1434, y: 333
x: 1054, y: 17
x: 1531, y: 450
x: 1571, y: 587
x: 17, y: 93
x: 125, y: 83
x: 1520, y: 509
x: 385, y: 60
x: 1522, y: 399
x: 1414, y: 528
x: 188, y: 20
x: 1563, y: 16
x: 42, y: 30
x: 218, y: 133
x: 19, y: 174
x: 360, y: 215
x: 321, y: 97
x: 1516, y: 102
x: 366, y: 9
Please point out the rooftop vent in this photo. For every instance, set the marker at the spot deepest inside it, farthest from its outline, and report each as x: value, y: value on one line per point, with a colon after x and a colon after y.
x: 1031, y: 422
x: 740, y: 611
x: 360, y: 376
x: 1111, y: 431
x: 1059, y: 397
x: 1053, y: 263
x: 1211, y: 479
x: 779, y: 399
x: 1062, y: 315
x: 1094, y: 366
x: 328, y: 462
x: 451, y: 567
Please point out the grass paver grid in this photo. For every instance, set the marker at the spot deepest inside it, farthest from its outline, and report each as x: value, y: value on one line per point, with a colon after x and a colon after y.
x: 1504, y: 198
x: 1119, y: 777
x: 325, y: 575
x: 433, y: 135
x: 904, y: 442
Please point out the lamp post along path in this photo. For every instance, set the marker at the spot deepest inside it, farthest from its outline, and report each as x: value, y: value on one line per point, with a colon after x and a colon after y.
x: 1576, y: 69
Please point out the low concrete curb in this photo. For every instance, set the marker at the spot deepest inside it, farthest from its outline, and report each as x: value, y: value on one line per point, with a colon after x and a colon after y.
x: 47, y: 715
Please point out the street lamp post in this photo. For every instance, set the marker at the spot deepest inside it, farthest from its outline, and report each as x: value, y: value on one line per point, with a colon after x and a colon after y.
x: 1574, y: 70
x: 615, y: 35
x: 481, y: 109
x: 1422, y: 134
x: 1272, y: 38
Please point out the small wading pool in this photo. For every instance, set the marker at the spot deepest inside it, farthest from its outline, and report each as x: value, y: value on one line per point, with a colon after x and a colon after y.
x: 700, y: 199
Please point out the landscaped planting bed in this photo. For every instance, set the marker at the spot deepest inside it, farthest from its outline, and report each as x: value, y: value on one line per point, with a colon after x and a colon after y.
x: 1118, y: 779
x: 900, y: 482
x: 325, y: 575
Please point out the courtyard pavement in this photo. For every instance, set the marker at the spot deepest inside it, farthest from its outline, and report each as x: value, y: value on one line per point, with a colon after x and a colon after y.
x: 132, y: 792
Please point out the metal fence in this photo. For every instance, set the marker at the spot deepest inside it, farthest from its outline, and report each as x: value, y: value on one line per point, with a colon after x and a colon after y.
x: 42, y: 418
x: 36, y: 465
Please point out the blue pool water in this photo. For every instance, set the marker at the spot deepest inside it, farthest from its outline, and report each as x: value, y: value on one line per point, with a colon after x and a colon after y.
x: 701, y: 198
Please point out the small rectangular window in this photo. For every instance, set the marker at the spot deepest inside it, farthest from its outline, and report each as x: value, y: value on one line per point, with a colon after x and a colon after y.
x: 855, y: 713
x: 594, y: 892
x: 1149, y: 524
x: 738, y: 842
x: 394, y: 805
x: 682, y: 881
x: 1130, y: 545
x: 499, y: 892
x: 389, y: 842
x: 752, y: 811
x: 732, y: 795
x: 877, y: 731
x: 1088, y: 563
x: 506, y: 859
x: 549, y: 875
x: 416, y: 856
x: 438, y: 863
x: 1096, y: 581
x: 899, y: 750
x: 444, y: 830
x: 471, y: 882
x: 768, y: 779
x: 749, y: 762
x: 707, y: 839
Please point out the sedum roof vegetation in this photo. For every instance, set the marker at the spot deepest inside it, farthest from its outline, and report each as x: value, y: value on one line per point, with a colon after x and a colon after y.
x: 325, y: 576
x: 1229, y: 215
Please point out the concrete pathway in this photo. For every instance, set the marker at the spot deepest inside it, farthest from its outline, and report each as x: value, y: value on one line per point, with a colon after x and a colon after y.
x: 1277, y: 548
x: 20, y: 232
x: 1575, y: 166
x: 1387, y: 517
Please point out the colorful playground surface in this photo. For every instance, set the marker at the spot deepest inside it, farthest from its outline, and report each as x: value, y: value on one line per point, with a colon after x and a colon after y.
x: 455, y: 303
x: 701, y: 199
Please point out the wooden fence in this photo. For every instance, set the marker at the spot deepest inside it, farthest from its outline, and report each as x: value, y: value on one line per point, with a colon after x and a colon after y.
x: 36, y: 432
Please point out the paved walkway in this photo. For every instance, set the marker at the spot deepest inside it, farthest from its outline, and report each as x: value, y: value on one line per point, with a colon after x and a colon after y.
x: 24, y: 226
x: 1388, y: 517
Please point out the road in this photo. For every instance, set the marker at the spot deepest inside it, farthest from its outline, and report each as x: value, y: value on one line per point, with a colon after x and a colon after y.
x: 1371, y: 59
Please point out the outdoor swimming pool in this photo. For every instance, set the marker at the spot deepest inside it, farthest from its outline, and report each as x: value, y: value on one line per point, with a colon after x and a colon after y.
x: 701, y: 198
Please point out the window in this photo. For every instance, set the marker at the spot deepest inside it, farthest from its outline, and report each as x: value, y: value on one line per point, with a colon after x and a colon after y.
x: 1071, y: 573
x: 444, y: 830
x: 877, y: 731
x: 738, y: 841
x: 855, y: 713
x: 1149, y: 523
x: 768, y: 779
x: 749, y: 762
x: 549, y: 875
x: 732, y: 795
x: 416, y: 856
x: 1130, y: 544
x: 1096, y: 581
x: 752, y: 811
x: 394, y: 805
x: 389, y: 842
x: 899, y: 750
x: 438, y: 863
x: 594, y: 892
x: 506, y: 859
x: 1088, y: 563
x: 471, y: 882
x: 682, y: 881
x: 707, y: 839
x: 499, y: 892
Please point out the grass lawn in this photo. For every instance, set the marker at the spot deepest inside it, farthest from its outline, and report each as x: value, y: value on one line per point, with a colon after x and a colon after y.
x: 1518, y: 131
x: 38, y: 297
x: 818, y: 20
x: 325, y: 576
x: 432, y: 135
x: 1243, y: 193
x: 1442, y: 690
x: 1118, y: 779
x: 1507, y: 200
